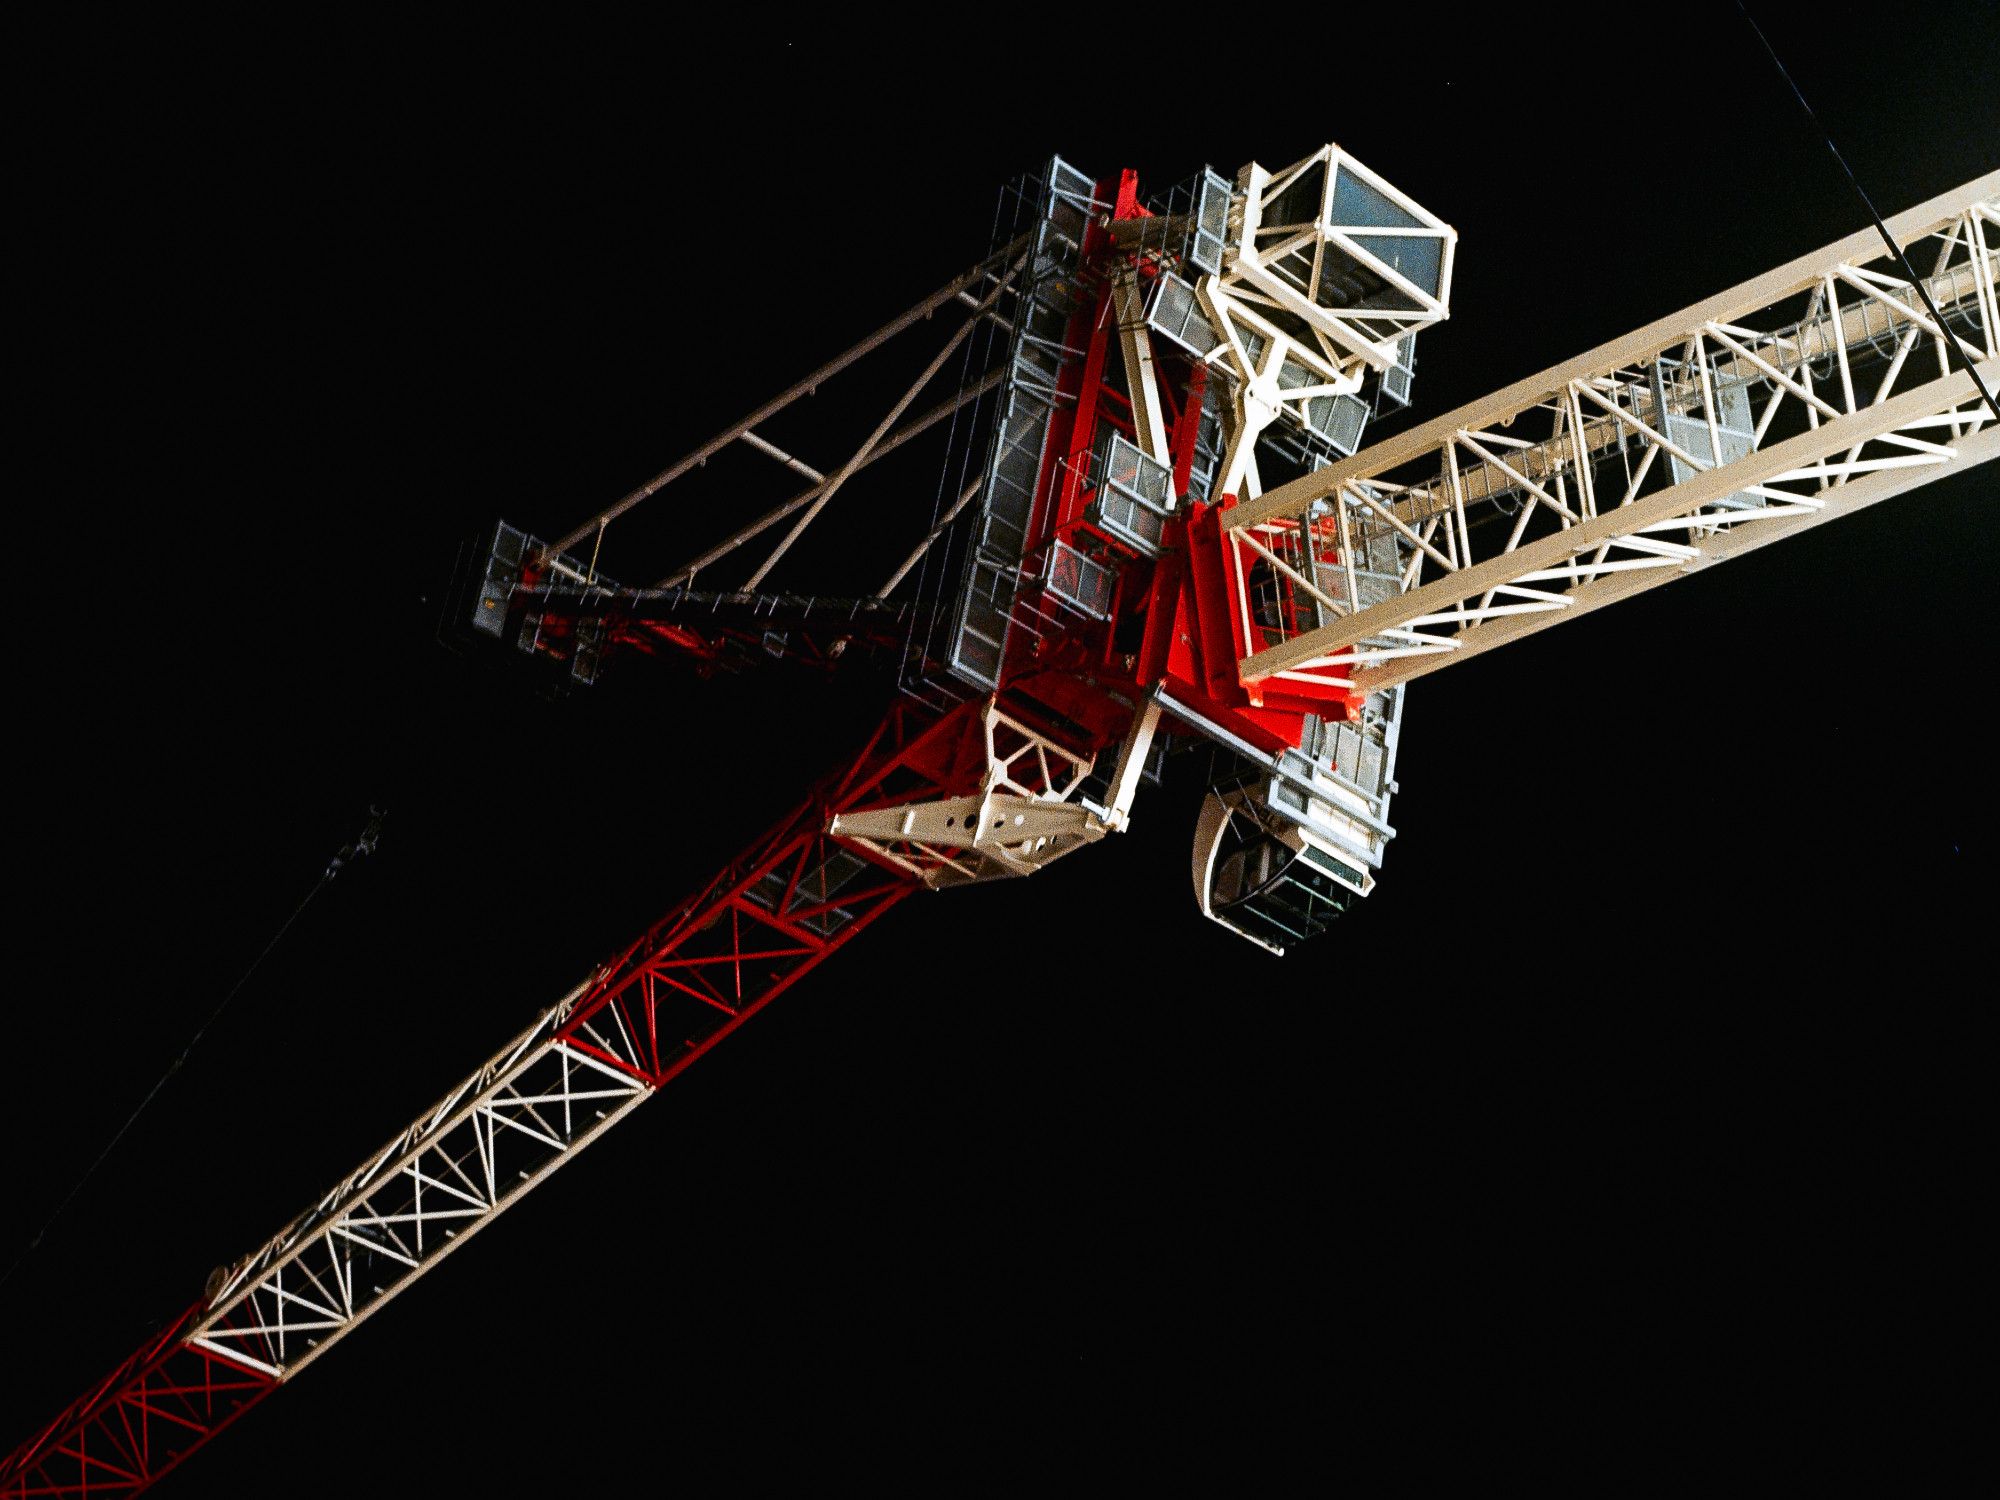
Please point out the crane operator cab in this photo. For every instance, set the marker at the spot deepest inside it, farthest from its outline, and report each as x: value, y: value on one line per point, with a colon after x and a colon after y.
x: 1282, y: 851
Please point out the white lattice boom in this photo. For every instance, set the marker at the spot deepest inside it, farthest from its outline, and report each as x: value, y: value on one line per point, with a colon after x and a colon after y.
x: 1116, y: 590
x: 1806, y: 394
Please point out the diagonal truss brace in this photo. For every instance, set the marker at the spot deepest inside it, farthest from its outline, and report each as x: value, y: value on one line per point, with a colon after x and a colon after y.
x: 1561, y: 557
x: 503, y: 1131
x: 1534, y: 561
x: 1689, y: 442
x: 716, y: 959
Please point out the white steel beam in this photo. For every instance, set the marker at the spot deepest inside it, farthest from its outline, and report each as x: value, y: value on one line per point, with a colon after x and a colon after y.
x: 504, y: 1130
x: 687, y: 571
x: 1148, y: 422
x: 833, y: 485
x: 1789, y: 459
x: 1500, y: 408
x: 1745, y: 418
x: 946, y: 293
x: 1609, y: 587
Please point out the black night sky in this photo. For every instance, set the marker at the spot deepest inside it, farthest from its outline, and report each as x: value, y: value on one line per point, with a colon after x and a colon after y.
x: 1643, y: 1085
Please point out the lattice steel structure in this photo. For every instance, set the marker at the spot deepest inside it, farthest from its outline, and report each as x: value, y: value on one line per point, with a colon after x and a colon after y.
x: 1156, y: 522
x: 1807, y: 394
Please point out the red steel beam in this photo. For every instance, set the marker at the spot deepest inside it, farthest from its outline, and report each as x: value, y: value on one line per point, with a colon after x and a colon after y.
x: 704, y: 969
x: 136, y: 1424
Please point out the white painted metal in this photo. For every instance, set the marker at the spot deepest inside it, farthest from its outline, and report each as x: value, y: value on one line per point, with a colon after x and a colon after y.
x: 686, y: 572
x: 1026, y: 814
x: 1131, y: 765
x: 1135, y: 346
x: 1300, y: 225
x: 531, y: 1107
x: 806, y: 387
x: 832, y: 486
x: 1734, y: 423
x: 1310, y: 295
x: 1461, y: 591
x: 931, y: 538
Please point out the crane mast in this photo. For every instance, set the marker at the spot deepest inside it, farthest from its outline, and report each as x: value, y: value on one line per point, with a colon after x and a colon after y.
x: 1167, y: 528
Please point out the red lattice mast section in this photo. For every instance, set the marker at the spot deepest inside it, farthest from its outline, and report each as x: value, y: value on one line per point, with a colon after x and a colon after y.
x: 703, y: 970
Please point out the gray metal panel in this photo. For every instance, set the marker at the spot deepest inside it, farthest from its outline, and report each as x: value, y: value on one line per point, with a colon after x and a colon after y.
x: 1035, y: 360
x: 1338, y: 421
x: 1136, y: 525
x: 496, y: 587
x: 1735, y: 432
x: 1211, y: 219
x: 1176, y: 314
x: 1396, y: 382
x: 1080, y: 581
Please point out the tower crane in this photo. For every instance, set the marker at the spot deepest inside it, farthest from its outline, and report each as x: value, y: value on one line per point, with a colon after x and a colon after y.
x: 1166, y: 520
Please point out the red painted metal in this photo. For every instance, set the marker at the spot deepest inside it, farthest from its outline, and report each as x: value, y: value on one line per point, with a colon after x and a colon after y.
x: 1177, y: 620
x: 792, y: 901
x: 799, y: 894
x: 137, y: 1423
x: 699, y: 973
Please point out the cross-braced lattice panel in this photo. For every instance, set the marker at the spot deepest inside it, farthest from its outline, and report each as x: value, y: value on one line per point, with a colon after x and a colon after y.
x: 1819, y: 389
x: 489, y: 1151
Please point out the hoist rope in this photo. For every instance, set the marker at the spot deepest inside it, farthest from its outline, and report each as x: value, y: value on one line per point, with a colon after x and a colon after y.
x: 362, y: 846
x: 1909, y: 272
